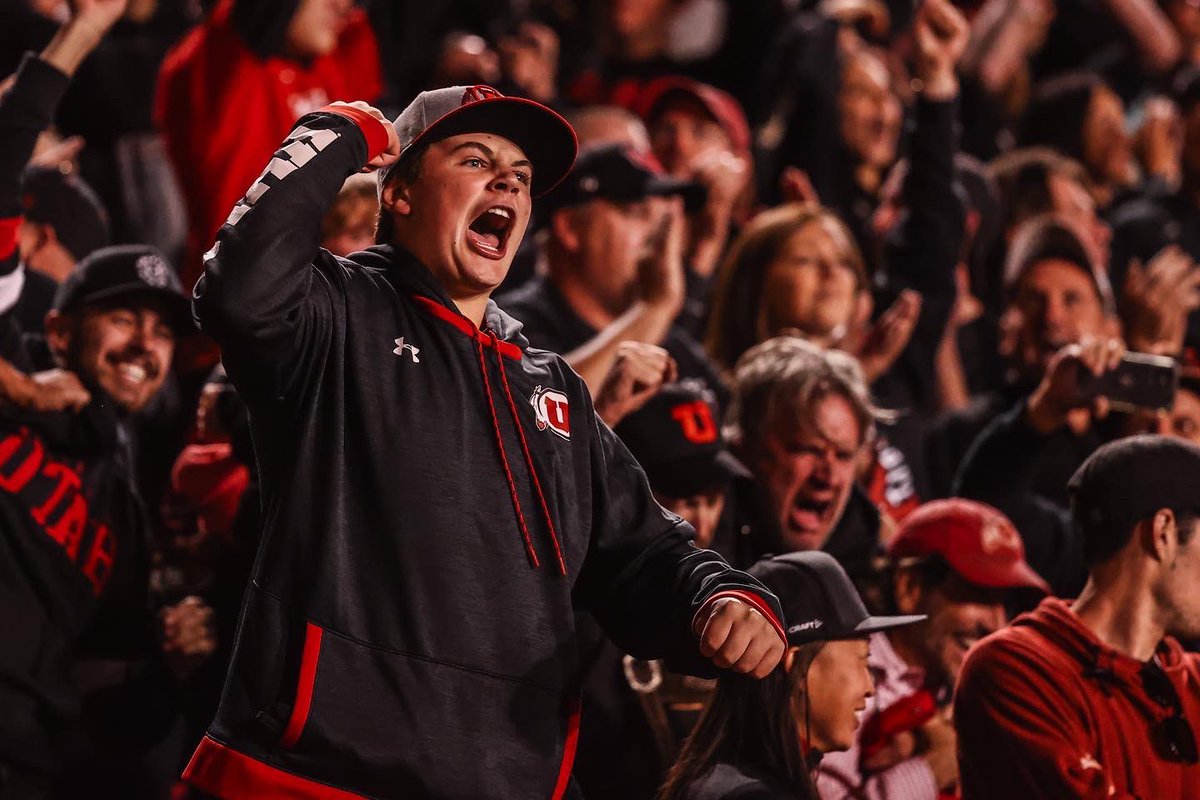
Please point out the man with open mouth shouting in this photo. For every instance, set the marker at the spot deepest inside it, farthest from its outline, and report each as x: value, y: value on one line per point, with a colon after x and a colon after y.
x: 438, y: 497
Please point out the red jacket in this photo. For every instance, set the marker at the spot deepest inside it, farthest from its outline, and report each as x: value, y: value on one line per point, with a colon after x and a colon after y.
x: 223, y: 111
x: 1046, y: 710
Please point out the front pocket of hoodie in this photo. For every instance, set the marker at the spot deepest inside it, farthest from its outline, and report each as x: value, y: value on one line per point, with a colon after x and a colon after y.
x: 389, y: 724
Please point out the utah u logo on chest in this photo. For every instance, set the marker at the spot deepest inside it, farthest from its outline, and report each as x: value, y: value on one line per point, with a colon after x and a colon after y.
x: 552, y: 411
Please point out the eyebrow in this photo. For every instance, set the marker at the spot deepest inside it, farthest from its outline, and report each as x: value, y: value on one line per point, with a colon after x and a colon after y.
x: 487, y: 151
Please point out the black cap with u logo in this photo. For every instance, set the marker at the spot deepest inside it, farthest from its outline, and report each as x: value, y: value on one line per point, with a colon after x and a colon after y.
x: 676, y: 437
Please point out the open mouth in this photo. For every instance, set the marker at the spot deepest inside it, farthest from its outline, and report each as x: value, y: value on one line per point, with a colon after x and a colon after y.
x: 808, y: 513
x: 488, y: 233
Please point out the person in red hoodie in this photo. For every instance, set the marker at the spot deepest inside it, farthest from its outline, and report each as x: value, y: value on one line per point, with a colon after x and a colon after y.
x: 1095, y: 698
x: 235, y: 85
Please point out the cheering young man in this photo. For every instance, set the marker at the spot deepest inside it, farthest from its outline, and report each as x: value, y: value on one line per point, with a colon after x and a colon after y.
x: 438, y: 498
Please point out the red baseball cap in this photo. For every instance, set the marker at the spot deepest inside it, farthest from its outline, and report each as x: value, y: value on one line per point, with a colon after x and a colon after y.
x: 721, y: 106
x: 976, y: 540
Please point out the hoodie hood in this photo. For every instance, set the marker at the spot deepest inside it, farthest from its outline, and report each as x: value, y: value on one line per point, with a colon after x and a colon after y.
x: 409, y: 276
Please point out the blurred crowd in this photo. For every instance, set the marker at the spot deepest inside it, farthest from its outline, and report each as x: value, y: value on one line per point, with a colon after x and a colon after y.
x: 865, y: 277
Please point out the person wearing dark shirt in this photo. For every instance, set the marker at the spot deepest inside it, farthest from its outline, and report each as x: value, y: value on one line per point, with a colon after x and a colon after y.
x: 614, y: 268
x: 73, y: 527
x: 427, y: 537
x: 802, y: 419
x: 1095, y: 698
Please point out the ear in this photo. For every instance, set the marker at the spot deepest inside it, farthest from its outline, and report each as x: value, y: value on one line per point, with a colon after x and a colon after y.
x: 59, y: 330
x: 1010, y: 326
x: 395, y: 198
x: 789, y: 658
x: 564, y: 229
x: 908, y: 591
x: 1163, y: 532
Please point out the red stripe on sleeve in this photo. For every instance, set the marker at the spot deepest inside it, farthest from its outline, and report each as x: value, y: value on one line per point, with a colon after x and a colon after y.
x: 568, y: 759
x: 372, y: 128
x: 749, y: 598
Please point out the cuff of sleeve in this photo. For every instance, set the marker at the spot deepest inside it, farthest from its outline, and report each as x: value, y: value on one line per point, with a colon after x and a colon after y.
x: 749, y: 598
x: 8, y: 241
x: 373, y: 129
x: 40, y: 84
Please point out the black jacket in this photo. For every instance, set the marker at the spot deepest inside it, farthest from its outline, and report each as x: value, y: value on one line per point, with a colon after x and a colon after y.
x: 397, y: 638
x: 1024, y: 474
x: 726, y: 781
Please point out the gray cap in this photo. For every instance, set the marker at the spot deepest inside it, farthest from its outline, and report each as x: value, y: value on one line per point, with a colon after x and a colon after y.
x: 547, y: 139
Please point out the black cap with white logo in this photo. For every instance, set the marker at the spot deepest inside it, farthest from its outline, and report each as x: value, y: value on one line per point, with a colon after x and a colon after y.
x: 819, y: 602
x: 126, y: 271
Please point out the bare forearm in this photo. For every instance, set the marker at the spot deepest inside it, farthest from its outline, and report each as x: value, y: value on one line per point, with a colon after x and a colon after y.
x: 15, y: 386
x: 71, y: 45
x: 999, y: 45
x: 953, y: 393
x: 644, y: 322
x: 1151, y: 32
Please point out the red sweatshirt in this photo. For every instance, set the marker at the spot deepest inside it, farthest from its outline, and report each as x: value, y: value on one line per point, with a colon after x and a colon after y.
x: 1044, y: 709
x: 223, y: 111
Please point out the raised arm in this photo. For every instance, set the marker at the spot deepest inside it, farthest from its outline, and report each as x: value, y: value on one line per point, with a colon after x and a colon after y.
x: 255, y: 297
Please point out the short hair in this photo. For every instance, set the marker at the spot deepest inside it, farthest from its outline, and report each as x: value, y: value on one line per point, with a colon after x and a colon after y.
x: 1022, y: 180
x: 1057, y: 110
x: 732, y: 326
x: 1044, y: 238
x: 790, y: 373
x: 406, y: 170
x: 358, y: 190
x: 1102, y: 540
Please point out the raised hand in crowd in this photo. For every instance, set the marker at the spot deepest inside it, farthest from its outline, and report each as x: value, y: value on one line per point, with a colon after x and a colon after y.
x: 189, y: 635
x: 1159, y: 141
x: 871, y: 15
x: 726, y: 176
x: 661, y: 278
x: 529, y: 57
x: 1157, y: 299
x: 1059, y: 399
x: 879, y: 344
x: 90, y: 21
x: 638, y: 373
x: 796, y: 187
x: 941, y: 34
x: 43, y: 392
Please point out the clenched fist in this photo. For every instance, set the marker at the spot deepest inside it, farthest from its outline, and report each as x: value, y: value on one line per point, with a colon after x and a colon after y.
x: 735, y: 636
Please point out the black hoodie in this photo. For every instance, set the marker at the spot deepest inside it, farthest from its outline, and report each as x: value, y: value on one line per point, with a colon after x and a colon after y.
x: 437, y: 501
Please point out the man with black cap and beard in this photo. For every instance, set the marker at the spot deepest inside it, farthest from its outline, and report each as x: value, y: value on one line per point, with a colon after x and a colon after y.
x: 73, y: 528
x: 438, y: 497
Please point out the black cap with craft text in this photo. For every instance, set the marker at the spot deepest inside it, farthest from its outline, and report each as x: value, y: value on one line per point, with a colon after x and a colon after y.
x: 818, y: 599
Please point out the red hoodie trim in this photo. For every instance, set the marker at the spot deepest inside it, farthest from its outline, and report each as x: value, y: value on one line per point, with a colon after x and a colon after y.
x: 373, y: 129
x: 750, y: 599
x: 304, y: 686
x: 224, y: 772
x: 8, y: 235
x: 568, y: 759
x: 465, y: 325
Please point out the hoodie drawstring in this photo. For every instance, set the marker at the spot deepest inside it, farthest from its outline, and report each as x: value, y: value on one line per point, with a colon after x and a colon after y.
x: 537, y: 484
x: 512, y: 486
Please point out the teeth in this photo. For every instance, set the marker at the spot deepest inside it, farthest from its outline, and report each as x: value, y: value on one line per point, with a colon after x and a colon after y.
x: 133, y: 372
x: 500, y: 212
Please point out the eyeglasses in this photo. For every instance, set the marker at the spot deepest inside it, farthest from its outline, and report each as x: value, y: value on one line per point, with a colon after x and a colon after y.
x: 1173, y: 738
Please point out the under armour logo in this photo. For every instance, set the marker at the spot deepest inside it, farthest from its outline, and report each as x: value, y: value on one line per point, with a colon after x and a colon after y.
x: 412, y: 350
